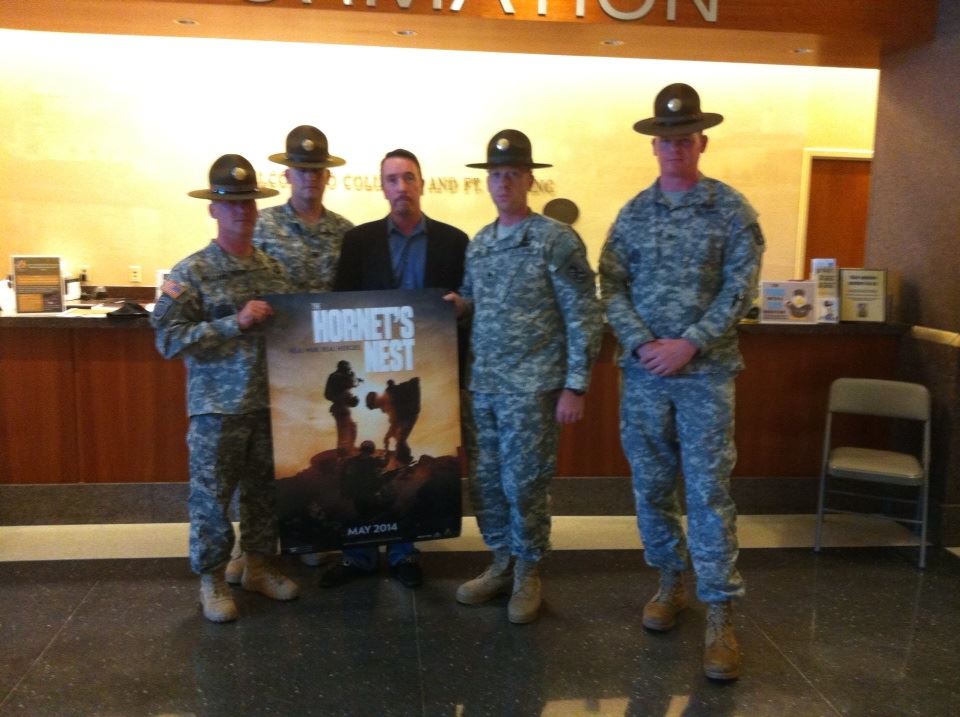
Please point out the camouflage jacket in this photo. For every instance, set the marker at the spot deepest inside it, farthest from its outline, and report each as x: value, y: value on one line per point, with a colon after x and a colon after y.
x: 535, y: 313
x: 308, y: 253
x: 688, y: 271
x: 196, y: 319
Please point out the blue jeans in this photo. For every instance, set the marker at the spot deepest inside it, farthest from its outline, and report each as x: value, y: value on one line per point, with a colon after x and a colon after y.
x: 365, y: 557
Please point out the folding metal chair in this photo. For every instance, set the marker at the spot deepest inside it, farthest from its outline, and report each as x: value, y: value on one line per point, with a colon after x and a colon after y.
x: 891, y: 399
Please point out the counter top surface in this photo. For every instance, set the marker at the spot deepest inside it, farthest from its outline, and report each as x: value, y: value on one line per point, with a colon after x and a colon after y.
x: 57, y: 321
x: 846, y: 327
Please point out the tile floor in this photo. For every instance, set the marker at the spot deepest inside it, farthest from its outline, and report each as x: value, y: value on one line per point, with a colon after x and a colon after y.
x: 102, y: 620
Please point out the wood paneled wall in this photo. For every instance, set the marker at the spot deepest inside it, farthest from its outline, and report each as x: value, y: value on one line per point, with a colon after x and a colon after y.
x: 94, y: 405
x: 851, y: 33
x: 781, y: 402
x: 89, y: 406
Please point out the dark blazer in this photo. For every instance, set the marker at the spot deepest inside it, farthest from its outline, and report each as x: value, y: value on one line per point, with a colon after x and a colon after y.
x: 365, y: 266
x: 365, y: 258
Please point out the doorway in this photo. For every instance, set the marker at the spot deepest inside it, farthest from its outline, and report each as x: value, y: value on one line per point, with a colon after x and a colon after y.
x: 835, y: 194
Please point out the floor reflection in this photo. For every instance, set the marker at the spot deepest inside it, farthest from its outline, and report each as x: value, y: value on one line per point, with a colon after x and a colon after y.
x: 850, y: 631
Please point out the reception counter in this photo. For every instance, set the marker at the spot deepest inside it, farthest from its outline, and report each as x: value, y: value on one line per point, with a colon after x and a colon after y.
x: 781, y: 397
x: 89, y: 400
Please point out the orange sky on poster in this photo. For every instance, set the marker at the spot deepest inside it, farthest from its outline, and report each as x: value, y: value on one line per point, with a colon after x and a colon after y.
x: 299, y: 367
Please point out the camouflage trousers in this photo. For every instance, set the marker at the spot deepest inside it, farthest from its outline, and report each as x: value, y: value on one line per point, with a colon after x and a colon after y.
x: 510, y: 463
x: 674, y: 424
x: 227, y: 452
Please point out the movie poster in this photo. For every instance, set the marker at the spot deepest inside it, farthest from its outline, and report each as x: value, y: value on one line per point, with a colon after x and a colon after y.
x: 365, y: 412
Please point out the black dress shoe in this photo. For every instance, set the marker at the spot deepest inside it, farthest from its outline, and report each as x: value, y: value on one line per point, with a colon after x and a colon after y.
x: 408, y: 573
x: 339, y: 574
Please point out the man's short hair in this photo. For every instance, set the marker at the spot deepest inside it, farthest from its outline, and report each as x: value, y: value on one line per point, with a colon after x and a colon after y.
x: 403, y: 154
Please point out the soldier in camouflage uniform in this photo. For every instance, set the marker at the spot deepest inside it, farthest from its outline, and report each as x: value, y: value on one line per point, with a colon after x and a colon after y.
x: 339, y: 391
x: 535, y: 332
x: 208, y: 314
x: 303, y: 235
x: 677, y: 272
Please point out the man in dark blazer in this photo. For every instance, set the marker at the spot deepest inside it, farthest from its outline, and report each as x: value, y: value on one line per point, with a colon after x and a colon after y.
x: 370, y: 259
x: 405, y: 250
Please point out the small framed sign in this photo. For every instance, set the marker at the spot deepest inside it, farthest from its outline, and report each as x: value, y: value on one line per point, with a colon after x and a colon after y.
x: 824, y: 273
x: 863, y: 295
x: 38, y: 284
x: 787, y: 302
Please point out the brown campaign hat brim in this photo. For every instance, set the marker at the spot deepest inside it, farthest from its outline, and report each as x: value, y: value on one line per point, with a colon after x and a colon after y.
x: 490, y: 165
x: 657, y: 127
x: 330, y: 161
x: 261, y: 193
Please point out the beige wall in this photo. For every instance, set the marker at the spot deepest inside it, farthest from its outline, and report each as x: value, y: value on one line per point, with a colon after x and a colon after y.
x: 104, y: 135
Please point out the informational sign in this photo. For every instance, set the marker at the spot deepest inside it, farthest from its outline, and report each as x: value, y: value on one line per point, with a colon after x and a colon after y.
x: 38, y: 284
x: 787, y: 302
x: 365, y: 413
x: 824, y: 273
x: 863, y: 295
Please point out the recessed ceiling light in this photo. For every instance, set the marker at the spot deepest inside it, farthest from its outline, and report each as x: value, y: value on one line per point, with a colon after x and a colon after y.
x: 611, y: 43
x: 405, y: 33
x: 801, y: 50
x: 186, y: 21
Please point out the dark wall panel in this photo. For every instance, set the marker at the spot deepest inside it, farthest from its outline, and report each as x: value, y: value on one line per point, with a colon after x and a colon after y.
x: 914, y: 230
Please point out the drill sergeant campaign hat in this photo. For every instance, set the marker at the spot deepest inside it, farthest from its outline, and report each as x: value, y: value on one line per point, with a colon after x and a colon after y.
x: 307, y: 149
x: 509, y: 148
x: 676, y: 112
x: 233, y: 179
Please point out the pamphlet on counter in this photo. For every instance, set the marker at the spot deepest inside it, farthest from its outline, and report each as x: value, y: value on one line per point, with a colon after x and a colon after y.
x: 824, y: 273
x: 787, y: 302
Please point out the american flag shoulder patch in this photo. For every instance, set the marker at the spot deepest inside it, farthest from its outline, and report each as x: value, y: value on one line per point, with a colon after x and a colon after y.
x: 171, y: 289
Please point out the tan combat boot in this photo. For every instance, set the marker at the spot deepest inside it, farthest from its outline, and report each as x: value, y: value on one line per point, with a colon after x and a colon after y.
x: 660, y: 613
x: 721, y: 653
x: 524, y: 605
x: 261, y: 577
x: 238, y: 561
x: 497, y: 579
x: 216, y: 598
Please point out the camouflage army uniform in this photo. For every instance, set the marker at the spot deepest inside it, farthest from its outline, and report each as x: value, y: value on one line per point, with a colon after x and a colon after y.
x: 309, y: 253
x: 535, y: 331
x: 227, y: 397
x: 689, y: 271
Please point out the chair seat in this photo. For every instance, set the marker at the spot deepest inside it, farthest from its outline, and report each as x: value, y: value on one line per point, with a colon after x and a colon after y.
x: 875, y: 465
x: 883, y: 399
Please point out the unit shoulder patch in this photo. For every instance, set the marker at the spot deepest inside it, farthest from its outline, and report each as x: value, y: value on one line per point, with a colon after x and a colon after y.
x: 576, y: 269
x: 162, y: 306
